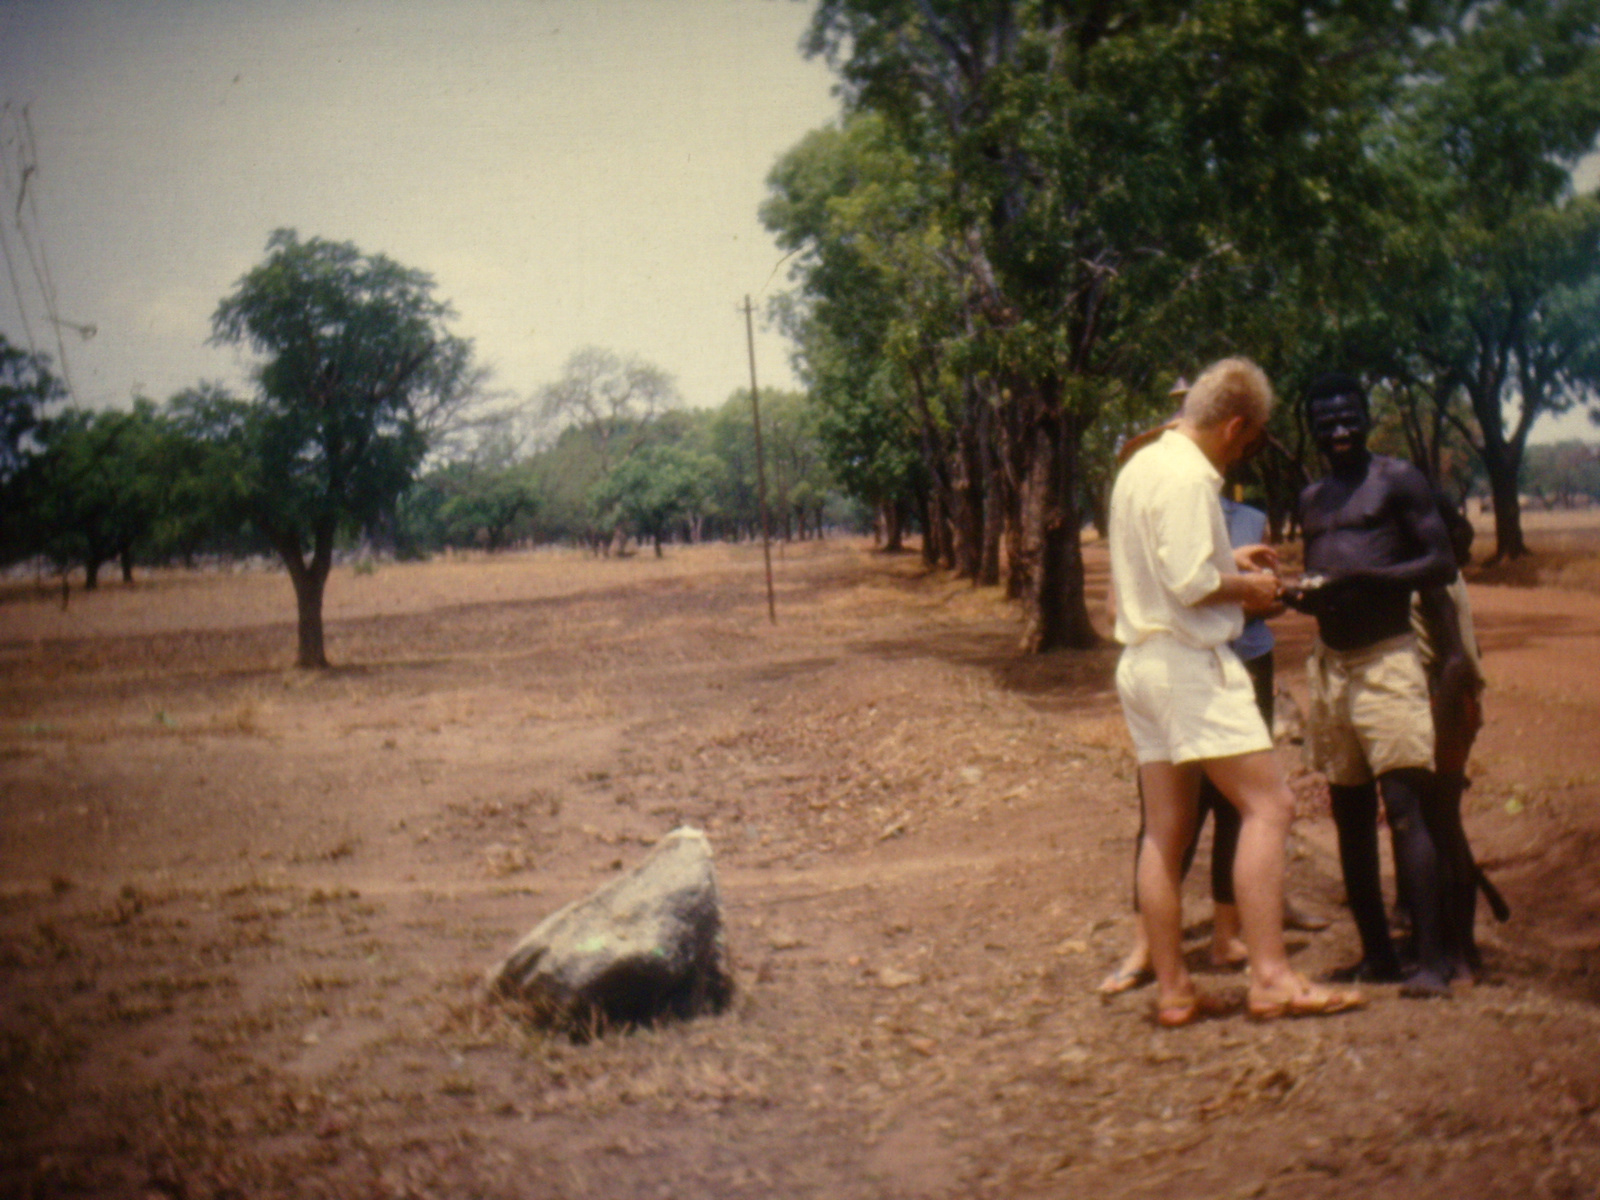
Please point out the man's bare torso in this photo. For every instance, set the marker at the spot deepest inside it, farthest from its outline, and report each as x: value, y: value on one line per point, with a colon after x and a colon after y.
x: 1353, y: 524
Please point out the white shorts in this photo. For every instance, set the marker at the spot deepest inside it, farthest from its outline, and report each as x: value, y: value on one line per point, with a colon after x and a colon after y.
x: 1183, y: 704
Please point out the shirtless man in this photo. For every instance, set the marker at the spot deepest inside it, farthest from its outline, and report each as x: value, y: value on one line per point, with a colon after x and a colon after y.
x: 1373, y: 536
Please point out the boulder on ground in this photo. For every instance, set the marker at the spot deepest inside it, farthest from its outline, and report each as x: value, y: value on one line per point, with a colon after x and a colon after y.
x: 646, y: 947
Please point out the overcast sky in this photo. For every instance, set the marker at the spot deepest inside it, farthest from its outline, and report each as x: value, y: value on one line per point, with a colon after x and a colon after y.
x: 571, y: 172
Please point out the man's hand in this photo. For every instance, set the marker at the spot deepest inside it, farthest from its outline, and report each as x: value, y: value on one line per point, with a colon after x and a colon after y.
x: 1259, y: 557
x: 1258, y: 591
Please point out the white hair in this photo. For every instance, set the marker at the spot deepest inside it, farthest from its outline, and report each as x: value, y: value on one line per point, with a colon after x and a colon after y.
x: 1233, y: 387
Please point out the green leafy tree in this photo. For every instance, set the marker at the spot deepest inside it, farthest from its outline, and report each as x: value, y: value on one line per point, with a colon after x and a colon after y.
x: 1489, y: 264
x: 206, y: 502
x: 853, y: 207
x: 357, y: 371
x: 1109, y: 192
x: 28, y: 390
x: 1563, y: 475
x: 797, y: 472
x: 100, y: 483
x: 654, y: 488
x: 800, y: 486
x: 604, y: 407
x: 486, y: 497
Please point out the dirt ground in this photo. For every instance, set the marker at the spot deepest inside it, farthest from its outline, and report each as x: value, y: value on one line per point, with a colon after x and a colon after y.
x: 246, y: 912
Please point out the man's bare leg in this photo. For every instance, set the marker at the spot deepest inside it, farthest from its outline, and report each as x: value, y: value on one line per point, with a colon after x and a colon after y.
x: 1255, y: 785
x: 1171, y: 795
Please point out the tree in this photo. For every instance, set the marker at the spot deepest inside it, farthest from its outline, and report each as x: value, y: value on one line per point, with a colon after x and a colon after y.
x: 605, y: 406
x: 613, y: 397
x: 486, y: 497
x: 1561, y: 473
x: 28, y: 389
x: 1499, y: 260
x: 1110, y: 194
x: 654, y: 487
x: 101, y: 484
x: 853, y: 206
x: 799, y: 485
x: 358, y: 372
x: 206, y: 504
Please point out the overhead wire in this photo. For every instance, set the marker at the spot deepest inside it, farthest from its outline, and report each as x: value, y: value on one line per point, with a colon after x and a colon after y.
x: 20, y: 154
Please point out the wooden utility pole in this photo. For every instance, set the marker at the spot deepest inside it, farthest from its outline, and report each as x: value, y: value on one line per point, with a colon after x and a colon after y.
x: 761, y: 465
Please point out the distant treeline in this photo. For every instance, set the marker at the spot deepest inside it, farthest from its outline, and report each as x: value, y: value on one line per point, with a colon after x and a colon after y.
x: 157, y: 484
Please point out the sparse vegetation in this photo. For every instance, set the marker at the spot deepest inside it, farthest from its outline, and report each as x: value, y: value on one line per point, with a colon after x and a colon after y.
x: 256, y: 963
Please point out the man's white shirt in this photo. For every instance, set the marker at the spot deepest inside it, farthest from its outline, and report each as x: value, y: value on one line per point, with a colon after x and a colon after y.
x: 1170, y: 548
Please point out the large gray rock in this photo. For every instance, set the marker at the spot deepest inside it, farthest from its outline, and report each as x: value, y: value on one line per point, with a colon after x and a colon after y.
x: 647, y: 946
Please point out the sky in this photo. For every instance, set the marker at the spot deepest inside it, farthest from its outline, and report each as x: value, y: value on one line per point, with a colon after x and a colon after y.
x: 572, y: 173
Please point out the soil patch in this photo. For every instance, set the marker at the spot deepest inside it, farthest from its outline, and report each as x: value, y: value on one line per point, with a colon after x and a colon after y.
x: 246, y: 912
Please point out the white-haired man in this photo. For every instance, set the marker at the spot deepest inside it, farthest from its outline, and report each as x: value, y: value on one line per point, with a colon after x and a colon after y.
x: 1181, y: 592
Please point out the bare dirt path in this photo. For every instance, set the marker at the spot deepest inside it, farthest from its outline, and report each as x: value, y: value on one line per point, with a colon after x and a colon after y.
x: 245, y: 912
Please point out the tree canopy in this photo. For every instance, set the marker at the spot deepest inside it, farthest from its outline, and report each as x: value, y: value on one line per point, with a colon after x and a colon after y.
x: 1033, y: 217
x: 357, y: 371
x: 28, y: 390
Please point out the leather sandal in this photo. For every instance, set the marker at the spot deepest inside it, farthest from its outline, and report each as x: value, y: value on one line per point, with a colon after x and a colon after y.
x: 1125, y: 980
x: 1174, y: 1014
x: 1308, y: 1000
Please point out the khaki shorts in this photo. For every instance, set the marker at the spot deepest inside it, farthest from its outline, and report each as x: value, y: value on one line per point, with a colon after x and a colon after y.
x: 1369, y: 711
x: 1183, y: 704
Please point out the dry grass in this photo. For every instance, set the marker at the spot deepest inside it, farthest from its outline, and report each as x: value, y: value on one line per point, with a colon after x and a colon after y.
x: 1564, y: 552
x: 260, y: 594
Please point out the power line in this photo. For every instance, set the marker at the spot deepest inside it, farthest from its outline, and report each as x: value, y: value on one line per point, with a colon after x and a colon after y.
x: 19, y: 156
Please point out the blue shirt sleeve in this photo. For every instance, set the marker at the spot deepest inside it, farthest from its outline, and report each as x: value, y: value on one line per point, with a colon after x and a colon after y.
x: 1246, y: 527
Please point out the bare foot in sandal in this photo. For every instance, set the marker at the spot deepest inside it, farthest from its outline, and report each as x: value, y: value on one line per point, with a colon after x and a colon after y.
x: 1177, y: 1011
x: 1299, y: 997
x: 1133, y: 972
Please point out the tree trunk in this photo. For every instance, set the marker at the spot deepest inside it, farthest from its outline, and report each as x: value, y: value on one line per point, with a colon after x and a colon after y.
x: 1508, y: 542
x: 308, y: 591
x: 1502, y: 463
x: 1060, y: 616
x: 893, y: 527
x: 942, y: 522
x: 967, y: 501
x: 994, y: 512
x: 1014, y: 474
x: 310, y: 579
x: 1501, y: 456
x: 125, y: 560
x: 930, y: 527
